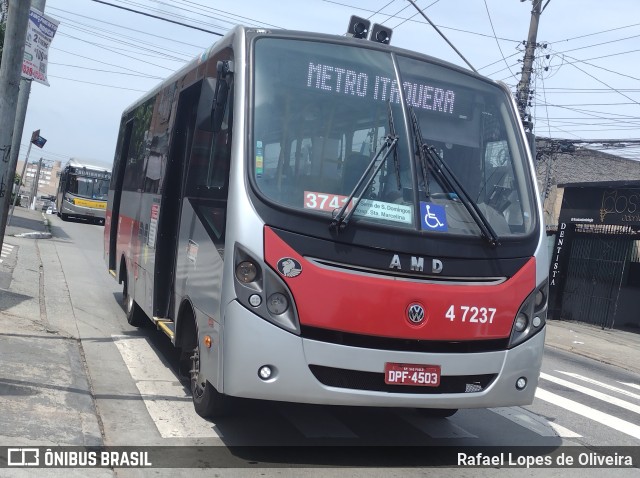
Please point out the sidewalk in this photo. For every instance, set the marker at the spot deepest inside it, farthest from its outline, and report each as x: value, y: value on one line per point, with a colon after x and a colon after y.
x: 611, y: 346
x: 45, y: 396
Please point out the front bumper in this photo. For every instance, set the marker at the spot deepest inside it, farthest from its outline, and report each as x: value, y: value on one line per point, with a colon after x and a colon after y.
x: 250, y: 342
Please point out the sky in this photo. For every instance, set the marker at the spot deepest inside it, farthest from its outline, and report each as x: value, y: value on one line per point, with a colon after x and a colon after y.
x: 586, y: 78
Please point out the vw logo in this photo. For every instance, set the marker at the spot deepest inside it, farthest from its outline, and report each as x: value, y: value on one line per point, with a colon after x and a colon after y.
x: 415, y: 314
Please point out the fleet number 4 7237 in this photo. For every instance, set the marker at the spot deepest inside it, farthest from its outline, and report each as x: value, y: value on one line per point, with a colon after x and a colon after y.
x: 471, y: 314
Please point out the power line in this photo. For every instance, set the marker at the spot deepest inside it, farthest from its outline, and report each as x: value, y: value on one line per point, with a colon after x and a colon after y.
x: 423, y: 23
x: 496, y: 38
x: 97, y: 84
x: 416, y: 14
x: 258, y: 22
x: 123, y: 27
x: 151, y: 77
x: 605, y: 84
x: 157, y: 17
x: 597, y: 33
x: 110, y: 34
x: 181, y: 16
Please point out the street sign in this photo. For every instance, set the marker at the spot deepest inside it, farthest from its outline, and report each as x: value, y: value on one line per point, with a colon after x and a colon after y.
x: 38, y: 140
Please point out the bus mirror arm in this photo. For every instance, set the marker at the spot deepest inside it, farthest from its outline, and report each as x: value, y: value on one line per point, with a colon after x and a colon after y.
x: 224, y: 69
x: 205, y: 105
x: 213, y: 99
x: 219, y: 104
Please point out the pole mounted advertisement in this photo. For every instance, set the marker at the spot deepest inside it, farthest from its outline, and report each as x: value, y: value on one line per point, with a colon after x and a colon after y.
x: 40, y: 32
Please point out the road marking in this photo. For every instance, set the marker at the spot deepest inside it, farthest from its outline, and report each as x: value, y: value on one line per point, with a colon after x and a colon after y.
x: 434, y: 427
x: 166, y: 399
x: 601, y: 384
x: 535, y: 423
x: 632, y: 385
x: 6, y: 250
x: 316, y: 424
x: 592, y: 393
x: 591, y: 413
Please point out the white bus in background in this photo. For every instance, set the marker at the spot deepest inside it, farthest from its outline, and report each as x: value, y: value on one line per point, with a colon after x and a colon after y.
x: 82, y: 191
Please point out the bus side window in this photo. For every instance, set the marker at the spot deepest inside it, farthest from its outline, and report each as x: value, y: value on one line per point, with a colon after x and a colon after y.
x: 209, y: 163
x: 134, y: 168
x: 156, y: 163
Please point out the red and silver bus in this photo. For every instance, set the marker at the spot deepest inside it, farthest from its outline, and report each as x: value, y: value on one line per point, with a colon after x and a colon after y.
x: 331, y: 220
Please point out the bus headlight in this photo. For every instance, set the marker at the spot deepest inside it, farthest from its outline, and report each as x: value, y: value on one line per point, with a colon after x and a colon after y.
x: 521, y: 322
x: 261, y: 290
x: 246, y: 272
x: 277, y: 303
x: 531, y: 316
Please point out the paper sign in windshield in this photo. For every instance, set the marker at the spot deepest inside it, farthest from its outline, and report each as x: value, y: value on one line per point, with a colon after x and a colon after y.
x: 366, y: 207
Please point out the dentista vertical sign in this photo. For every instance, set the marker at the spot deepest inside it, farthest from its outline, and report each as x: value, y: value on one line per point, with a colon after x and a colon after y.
x: 593, y: 205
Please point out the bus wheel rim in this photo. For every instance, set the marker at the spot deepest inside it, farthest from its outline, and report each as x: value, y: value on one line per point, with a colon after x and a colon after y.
x: 197, y: 388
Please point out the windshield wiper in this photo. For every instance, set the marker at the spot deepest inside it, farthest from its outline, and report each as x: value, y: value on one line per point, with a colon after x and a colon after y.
x: 392, y: 131
x: 341, y: 219
x: 430, y: 159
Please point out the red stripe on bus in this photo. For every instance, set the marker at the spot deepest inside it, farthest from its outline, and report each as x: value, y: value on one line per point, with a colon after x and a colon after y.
x: 364, y: 304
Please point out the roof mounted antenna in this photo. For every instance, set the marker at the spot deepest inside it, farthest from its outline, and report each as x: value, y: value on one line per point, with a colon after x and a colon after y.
x: 442, y: 35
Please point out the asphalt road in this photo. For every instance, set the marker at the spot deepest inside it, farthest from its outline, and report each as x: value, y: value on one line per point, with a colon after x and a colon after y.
x: 133, y: 396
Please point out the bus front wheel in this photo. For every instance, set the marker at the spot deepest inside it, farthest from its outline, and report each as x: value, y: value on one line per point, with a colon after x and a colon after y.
x: 207, y: 401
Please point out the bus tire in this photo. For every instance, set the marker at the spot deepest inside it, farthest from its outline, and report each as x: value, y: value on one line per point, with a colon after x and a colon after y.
x: 436, y: 412
x: 207, y: 401
x: 64, y: 216
x: 135, y: 315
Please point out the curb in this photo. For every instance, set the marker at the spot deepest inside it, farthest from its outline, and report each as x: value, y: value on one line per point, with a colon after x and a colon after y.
x: 34, y: 235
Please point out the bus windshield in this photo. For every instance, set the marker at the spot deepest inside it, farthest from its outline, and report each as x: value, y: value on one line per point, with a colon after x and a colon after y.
x: 323, y: 111
x: 87, y: 187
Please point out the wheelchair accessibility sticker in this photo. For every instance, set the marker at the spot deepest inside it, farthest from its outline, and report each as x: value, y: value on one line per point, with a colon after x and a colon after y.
x: 433, y: 217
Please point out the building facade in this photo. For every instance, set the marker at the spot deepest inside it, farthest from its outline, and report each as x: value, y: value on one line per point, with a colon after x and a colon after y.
x: 47, y: 181
x: 592, y: 214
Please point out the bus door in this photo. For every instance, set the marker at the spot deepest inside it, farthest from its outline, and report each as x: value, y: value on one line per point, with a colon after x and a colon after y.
x: 200, y: 151
x: 171, y: 201
x: 116, y: 186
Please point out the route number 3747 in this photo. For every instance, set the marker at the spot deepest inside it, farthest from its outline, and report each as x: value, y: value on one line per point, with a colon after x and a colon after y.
x: 471, y: 314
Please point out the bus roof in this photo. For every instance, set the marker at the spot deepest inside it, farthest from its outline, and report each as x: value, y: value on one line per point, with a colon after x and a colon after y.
x: 241, y: 31
x: 80, y: 163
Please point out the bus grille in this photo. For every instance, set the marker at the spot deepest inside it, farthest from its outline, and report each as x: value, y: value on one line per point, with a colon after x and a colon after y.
x: 404, y: 345
x: 374, y: 381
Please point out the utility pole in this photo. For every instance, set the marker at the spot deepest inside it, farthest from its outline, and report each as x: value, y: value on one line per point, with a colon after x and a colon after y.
x: 10, y: 72
x: 15, y: 198
x: 21, y: 114
x: 523, y: 88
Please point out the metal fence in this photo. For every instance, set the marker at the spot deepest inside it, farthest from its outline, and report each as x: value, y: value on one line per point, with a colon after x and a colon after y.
x: 600, y: 260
